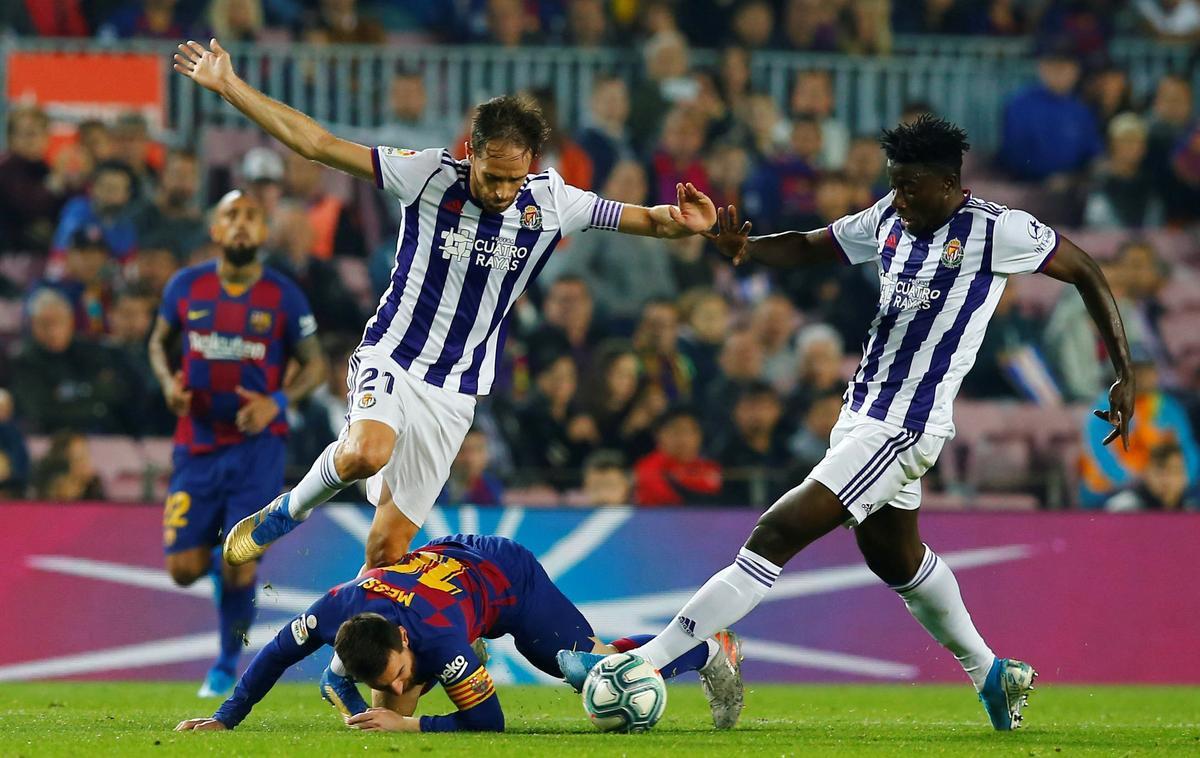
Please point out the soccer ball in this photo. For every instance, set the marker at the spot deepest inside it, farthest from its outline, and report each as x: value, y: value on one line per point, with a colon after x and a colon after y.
x: 623, y: 693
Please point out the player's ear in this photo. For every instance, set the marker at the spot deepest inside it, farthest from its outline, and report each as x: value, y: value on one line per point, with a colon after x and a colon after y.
x: 467, y: 146
x: 403, y: 635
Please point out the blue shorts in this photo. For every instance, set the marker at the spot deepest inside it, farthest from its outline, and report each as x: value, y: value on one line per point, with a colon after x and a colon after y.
x: 210, y: 493
x: 543, y: 620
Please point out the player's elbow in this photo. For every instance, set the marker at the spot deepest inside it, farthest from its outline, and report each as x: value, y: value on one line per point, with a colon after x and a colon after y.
x: 317, y: 147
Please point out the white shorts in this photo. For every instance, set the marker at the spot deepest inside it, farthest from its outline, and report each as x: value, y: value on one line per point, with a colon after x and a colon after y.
x: 871, y: 463
x: 430, y: 425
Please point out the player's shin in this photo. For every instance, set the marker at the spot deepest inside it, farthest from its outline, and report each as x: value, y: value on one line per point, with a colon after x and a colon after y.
x: 693, y: 660
x: 318, y: 485
x: 236, y: 612
x: 727, y: 597
x: 933, y: 598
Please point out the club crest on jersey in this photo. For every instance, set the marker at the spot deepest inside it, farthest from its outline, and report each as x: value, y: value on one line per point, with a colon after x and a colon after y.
x: 260, y: 321
x: 367, y: 400
x: 531, y: 218
x: 398, y: 152
x: 952, y: 253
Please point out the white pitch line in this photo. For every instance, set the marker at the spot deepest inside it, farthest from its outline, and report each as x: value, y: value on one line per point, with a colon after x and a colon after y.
x: 797, y: 655
x: 351, y: 520
x: 510, y: 521
x: 583, y: 540
x: 468, y: 520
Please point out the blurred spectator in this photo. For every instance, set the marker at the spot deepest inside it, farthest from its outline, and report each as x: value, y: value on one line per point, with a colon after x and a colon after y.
x: 707, y: 316
x: 622, y: 406
x: 316, y: 421
x: 1145, y: 277
x: 913, y: 110
x: 471, y: 480
x: 1108, y: 93
x: 1009, y: 356
x: 1074, y: 348
x: 690, y: 266
x: 106, y: 205
x: 508, y: 23
x: 1123, y: 194
x: 753, y: 24
x: 61, y: 381
x: 95, y: 137
x: 767, y: 131
x: 1158, y: 418
x: 774, y: 323
x: 675, y: 473
x: 741, y: 362
x: 1163, y: 486
x: 606, y: 138
x: 86, y: 280
x: 56, y: 18
x: 130, y: 320
x: 587, y: 24
x: 1169, y: 118
x: 174, y: 213
x: 656, y: 341
x: 569, y: 325
x: 622, y: 272
x: 66, y: 474
x: 733, y: 77
x: 1170, y: 19
x: 867, y: 29
x: 811, y: 25
x: 336, y: 226
x: 154, y: 265
x: 752, y: 452
x: 133, y: 147
x: 236, y: 20
x: 866, y: 171
x: 339, y: 22
x: 679, y: 156
x: 410, y: 124
x: 14, y: 456
x: 561, y: 152
x: 1048, y: 131
x: 812, y: 98
x: 728, y: 167
x: 606, y: 481
x: 157, y: 19
x: 1082, y: 28
x: 555, y: 436
x: 666, y: 84
x: 29, y: 201
x: 819, y: 358
x: 783, y: 190
x: 262, y: 177
x: 811, y: 441
x: 332, y: 304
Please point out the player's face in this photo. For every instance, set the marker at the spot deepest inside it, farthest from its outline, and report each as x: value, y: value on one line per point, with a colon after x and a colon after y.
x: 239, y: 227
x: 498, y: 171
x: 922, y: 196
x: 397, y: 676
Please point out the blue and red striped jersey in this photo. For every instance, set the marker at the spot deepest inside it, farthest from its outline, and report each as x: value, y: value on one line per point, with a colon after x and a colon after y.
x: 232, y: 340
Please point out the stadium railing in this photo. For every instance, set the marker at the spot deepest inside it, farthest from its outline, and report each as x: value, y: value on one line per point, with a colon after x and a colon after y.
x: 346, y: 84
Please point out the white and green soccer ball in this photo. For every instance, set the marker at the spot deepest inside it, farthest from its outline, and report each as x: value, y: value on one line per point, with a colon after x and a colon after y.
x: 623, y: 693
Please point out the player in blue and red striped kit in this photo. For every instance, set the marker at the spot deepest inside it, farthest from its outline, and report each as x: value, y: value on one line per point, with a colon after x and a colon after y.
x: 240, y: 324
x: 404, y: 628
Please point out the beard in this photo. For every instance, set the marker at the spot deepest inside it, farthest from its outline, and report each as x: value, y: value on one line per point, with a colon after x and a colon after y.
x: 241, y: 255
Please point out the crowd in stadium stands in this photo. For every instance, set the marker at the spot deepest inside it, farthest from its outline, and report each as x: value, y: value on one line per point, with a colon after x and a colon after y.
x: 641, y: 370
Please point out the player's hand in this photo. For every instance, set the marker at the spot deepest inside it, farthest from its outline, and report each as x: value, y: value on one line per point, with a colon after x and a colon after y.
x: 257, y: 411
x: 201, y: 725
x: 383, y: 720
x: 730, y: 239
x: 178, y: 397
x: 694, y: 210
x: 211, y: 69
x: 1120, y: 411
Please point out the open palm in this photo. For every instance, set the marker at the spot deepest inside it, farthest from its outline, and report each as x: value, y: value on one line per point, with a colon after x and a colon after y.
x: 696, y: 211
x: 211, y: 69
x: 730, y: 238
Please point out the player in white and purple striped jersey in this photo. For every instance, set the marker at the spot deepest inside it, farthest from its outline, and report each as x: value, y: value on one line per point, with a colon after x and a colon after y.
x: 943, y: 258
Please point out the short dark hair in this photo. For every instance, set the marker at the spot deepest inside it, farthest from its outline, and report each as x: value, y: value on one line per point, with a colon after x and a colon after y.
x: 511, y: 118
x: 757, y: 388
x: 363, y: 642
x: 674, y: 413
x: 930, y: 140
x: 1165, y: 451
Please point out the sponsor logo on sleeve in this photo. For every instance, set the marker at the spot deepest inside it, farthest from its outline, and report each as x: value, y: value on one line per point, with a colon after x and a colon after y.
x: 453, y: 670
x: 300, y: 628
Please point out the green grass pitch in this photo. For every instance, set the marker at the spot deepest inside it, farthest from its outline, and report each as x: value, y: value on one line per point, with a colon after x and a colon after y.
x: 78, y: 719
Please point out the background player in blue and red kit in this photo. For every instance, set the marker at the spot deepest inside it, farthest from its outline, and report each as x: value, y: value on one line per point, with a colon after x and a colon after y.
x: 240, y: 324
x: 403, y: 628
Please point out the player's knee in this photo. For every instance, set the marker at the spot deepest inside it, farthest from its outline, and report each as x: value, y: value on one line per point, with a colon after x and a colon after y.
x: 386, y: 549
x: 362, y: 455
x: 184, y: 574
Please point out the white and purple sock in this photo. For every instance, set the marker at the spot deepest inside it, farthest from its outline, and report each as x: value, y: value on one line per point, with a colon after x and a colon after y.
x: 318, y: 485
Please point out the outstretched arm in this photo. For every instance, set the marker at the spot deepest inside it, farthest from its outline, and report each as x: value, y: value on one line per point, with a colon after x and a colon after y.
x: 1072, y: 265
x: 694, y: 214
x: 782, y: 250
x: 213, y: 70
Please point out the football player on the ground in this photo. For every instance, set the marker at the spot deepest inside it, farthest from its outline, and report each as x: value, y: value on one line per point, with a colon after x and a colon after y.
x: 403, y: 628
x: 943, y: 257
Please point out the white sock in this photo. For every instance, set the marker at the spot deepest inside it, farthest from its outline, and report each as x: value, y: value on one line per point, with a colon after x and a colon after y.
x: 337, y: 666
x: 932, y: 597
x: 318, y: 485
x: 725, y: 598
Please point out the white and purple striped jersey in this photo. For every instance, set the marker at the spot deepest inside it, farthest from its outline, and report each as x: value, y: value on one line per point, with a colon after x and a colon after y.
x: 937, y: 294
x: 459, y: 269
